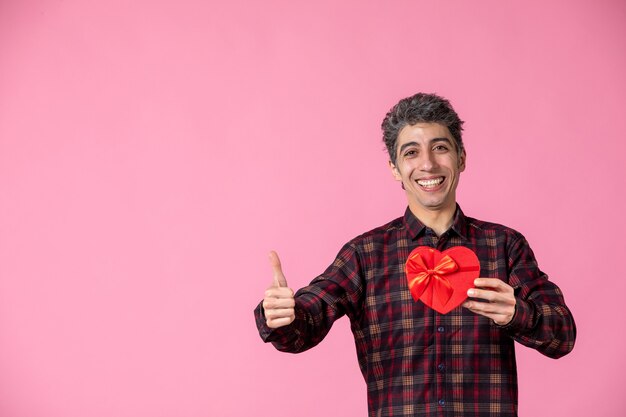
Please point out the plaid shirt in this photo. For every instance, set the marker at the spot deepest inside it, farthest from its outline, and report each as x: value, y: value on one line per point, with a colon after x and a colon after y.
x: 415, y: 361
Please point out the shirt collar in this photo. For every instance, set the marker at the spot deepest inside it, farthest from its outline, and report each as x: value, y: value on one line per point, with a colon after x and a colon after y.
x: 415, y: 227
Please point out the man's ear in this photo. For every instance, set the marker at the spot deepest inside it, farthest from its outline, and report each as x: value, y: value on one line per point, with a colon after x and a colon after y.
x: 395, y: 172
x: 462, y: 160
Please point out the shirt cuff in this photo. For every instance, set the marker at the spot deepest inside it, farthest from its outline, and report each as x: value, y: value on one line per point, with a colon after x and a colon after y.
x: 522, y: 318
x: 268, y: 334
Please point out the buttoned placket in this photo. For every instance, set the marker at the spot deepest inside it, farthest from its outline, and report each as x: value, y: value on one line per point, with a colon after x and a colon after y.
x: 442, y: 324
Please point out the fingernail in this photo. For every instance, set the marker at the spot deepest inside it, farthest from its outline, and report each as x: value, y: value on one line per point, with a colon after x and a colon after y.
x: 470, y: 292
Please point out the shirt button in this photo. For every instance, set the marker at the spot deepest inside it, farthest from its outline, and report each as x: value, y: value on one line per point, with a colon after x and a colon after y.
x: 440, y: 329
x: 442, y: 402
x: 441, y: 367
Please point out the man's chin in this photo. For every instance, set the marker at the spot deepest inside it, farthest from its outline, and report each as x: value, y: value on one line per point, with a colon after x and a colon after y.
x: 434, y: 206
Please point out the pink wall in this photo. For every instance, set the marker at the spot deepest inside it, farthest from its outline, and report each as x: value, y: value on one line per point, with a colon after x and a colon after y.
x: 152, y: 152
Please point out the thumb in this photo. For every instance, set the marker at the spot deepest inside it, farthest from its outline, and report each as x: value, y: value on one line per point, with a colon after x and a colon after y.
x: 279, y: 277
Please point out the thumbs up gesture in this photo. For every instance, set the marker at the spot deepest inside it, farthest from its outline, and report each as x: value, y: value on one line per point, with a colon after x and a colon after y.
x: 279, y: 302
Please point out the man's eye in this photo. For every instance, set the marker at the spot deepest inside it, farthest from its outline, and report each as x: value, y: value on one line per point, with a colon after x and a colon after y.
x: 441, y: 148
x: 410, y: 153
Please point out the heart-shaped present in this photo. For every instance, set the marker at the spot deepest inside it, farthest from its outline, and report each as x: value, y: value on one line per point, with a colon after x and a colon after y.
x: 441, y: 279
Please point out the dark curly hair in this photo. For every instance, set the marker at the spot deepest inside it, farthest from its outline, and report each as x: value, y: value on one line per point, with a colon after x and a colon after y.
x: 420, y: 108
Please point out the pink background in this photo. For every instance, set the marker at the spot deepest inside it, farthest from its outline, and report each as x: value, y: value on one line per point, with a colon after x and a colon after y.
x: 153, y: 152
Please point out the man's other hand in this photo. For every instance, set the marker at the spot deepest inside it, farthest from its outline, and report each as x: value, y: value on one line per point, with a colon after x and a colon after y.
x: 496, y: 300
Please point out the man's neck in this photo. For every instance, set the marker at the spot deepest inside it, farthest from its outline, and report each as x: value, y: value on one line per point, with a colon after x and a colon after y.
x: 437, y: 220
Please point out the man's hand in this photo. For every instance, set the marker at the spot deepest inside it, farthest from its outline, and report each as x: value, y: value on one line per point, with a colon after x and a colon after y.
x: 279, y: 302
x: 499, y: 300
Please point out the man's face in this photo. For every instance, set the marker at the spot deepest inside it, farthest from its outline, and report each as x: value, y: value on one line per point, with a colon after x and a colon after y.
x: 428, y: 165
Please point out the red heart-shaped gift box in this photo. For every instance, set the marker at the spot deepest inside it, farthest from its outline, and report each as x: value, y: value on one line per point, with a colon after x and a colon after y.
x: 441, y: 279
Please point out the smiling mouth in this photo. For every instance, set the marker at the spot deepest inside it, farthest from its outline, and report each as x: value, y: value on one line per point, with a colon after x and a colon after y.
x: 430, y: 183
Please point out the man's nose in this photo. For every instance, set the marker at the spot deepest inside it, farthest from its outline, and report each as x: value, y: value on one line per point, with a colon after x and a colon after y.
x: 427, y: 161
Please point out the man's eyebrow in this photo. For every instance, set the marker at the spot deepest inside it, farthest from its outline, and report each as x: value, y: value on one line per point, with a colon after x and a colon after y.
x: 433, y: 140
x: 406, y: 145
x: 444, y: 139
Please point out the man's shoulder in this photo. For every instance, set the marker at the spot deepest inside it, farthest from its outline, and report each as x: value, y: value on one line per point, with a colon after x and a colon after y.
x: 381, y: 233
x: 490, y: 228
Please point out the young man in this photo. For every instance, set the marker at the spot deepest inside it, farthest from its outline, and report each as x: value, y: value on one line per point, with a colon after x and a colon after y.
x: 416, y: 361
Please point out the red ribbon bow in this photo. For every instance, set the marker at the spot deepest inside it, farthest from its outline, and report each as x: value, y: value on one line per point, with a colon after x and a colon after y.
x: 422, y: 278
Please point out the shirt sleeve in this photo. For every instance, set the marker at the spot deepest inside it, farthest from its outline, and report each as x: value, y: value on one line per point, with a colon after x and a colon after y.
x: 337, y: 292
x: 542, y: 321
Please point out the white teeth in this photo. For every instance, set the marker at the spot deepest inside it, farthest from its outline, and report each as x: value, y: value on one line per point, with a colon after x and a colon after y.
x: 431, y: 182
